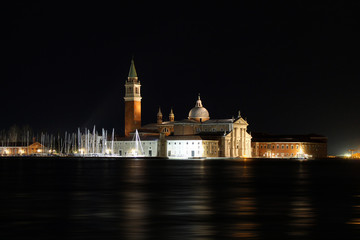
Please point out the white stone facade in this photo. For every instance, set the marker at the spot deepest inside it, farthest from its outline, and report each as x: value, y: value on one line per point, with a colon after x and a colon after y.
x: 126, y: 148
x: 191, y: 148
x: 238, y: 141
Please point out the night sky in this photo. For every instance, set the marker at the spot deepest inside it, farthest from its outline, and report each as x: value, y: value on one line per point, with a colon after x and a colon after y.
x: 290, y: 68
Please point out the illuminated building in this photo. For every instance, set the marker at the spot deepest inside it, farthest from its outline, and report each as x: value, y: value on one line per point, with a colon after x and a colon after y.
x: 212, y: 137
x: 124, y: 146
x: 200, y: 136
x: 289, y: 146
x: 191, y: 147
x: 19, y: 149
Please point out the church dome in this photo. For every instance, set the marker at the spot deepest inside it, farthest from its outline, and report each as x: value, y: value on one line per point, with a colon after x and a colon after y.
x: 199, y: 113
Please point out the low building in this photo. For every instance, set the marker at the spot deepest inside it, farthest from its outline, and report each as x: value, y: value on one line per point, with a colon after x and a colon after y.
x: 288, y: 146
x: 190, y: 147
x: 21, y: 149
x: 126, y: 147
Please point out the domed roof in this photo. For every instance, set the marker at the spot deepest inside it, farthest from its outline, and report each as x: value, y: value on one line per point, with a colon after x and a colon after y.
x: 199, y: 113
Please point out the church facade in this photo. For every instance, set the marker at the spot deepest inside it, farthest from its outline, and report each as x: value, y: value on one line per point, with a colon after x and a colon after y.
x: 193, y: 137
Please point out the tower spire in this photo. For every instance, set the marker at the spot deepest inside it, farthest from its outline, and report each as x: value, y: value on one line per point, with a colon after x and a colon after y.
x: 159, y: 116
x: 132, y: 71
x: 171, y: 115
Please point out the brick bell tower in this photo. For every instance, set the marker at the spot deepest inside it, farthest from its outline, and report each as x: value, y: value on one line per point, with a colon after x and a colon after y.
x: 132, y: 101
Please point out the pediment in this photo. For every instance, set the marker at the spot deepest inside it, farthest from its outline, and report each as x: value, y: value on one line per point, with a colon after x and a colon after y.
x: 241, y: 121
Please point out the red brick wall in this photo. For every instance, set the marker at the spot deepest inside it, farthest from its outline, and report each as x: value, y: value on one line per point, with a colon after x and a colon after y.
x: 132, y: 116
x: 288, y: 149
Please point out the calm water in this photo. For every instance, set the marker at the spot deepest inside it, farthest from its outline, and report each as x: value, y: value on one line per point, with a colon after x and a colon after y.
x: 179, y: 199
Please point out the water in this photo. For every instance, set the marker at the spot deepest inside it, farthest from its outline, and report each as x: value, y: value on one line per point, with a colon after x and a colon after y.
x: 179, y: 199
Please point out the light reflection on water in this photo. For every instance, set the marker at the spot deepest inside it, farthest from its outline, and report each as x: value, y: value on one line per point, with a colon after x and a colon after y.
x: 159, y: 199
x: 355, y: 220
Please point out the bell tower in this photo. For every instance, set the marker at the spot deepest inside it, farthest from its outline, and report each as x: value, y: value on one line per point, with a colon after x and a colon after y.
x: 132, y: 101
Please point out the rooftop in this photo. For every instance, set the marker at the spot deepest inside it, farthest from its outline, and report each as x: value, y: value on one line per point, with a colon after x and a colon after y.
x: 265, y: 137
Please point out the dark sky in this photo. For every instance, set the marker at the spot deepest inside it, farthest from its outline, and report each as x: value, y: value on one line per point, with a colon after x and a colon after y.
x: 289, y: 68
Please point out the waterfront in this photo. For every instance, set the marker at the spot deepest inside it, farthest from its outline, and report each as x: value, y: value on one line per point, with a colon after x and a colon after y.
x: 64, y: 198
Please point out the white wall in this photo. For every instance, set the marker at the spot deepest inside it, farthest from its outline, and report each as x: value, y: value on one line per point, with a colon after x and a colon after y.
x: 184, y: 148
x: 124, y: 148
